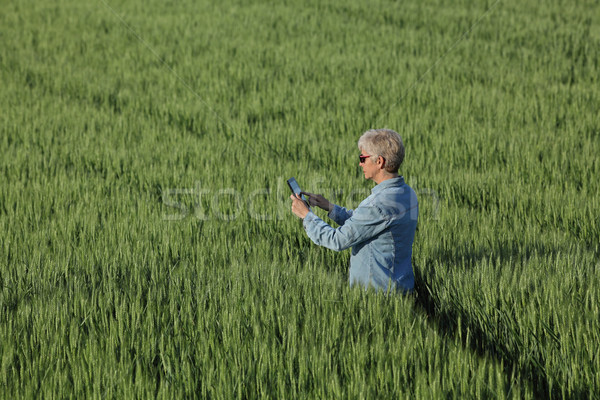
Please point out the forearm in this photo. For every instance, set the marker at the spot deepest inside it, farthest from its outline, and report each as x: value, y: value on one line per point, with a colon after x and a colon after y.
x: 324, y: 235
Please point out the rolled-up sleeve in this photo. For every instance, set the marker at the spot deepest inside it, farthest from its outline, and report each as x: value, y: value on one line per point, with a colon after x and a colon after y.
x: 362, y: 224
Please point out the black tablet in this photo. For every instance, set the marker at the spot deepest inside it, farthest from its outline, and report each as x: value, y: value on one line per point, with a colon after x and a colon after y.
x: 296, y: 190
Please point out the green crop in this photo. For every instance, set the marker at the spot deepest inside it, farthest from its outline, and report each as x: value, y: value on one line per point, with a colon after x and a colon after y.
x: 147, y: 247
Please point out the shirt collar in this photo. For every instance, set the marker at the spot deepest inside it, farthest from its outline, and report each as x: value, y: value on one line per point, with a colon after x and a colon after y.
x: 394, y: 182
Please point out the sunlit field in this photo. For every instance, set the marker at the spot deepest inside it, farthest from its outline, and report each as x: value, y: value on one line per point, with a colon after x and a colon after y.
x: 147, y: 247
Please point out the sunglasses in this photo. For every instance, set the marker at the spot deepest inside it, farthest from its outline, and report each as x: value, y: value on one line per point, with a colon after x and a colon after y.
x: 363, y: 158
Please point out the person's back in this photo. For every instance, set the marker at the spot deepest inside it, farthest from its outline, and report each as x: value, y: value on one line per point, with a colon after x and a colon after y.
x: 381, y: 232
x: 389, y: 252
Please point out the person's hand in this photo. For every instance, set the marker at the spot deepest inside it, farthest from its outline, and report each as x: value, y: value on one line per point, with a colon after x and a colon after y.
x: 319, y: 201
x: 298, y: 206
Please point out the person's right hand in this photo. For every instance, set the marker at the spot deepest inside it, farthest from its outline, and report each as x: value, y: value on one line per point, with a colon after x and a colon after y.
x: 319, y: 201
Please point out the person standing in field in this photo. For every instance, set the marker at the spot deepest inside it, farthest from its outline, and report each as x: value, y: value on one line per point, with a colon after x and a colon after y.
x: 381, y: 229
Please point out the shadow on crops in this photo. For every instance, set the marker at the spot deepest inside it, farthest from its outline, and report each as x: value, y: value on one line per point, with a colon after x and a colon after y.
x: 529, y: 370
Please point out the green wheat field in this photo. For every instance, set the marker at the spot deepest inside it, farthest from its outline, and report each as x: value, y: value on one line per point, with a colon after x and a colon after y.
x: 147, y: 247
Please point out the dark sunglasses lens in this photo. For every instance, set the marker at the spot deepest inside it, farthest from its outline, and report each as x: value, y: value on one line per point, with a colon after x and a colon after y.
x: 362, y: 158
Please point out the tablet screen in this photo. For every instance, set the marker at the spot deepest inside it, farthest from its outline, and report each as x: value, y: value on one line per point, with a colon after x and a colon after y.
x: 296, y: 189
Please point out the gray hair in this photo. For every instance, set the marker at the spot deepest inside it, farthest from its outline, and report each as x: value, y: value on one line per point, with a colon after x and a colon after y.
x: 386, y: 143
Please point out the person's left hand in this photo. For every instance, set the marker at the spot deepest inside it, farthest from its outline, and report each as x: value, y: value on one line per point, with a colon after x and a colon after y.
x: 298, y: 206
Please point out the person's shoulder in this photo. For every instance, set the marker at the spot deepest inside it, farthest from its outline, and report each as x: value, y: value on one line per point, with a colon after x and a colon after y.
x: 399, y: 186
x: 395, y: 199
x: 392, y: 189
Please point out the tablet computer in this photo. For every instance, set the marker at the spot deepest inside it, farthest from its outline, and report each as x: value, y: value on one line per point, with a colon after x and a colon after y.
x: 295, y: 188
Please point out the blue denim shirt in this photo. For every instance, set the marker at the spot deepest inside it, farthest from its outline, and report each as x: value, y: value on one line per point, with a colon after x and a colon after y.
x: 381, y: 231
